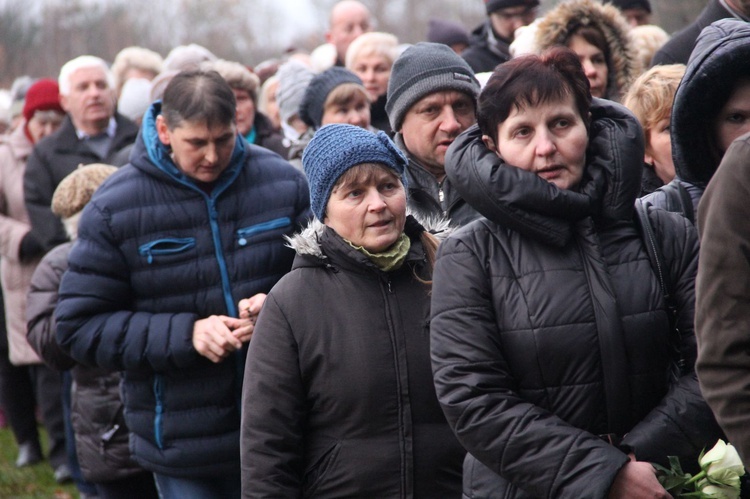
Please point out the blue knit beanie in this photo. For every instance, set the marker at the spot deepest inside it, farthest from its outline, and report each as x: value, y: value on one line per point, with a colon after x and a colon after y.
x: 336, y: 148
x: 313, y: 103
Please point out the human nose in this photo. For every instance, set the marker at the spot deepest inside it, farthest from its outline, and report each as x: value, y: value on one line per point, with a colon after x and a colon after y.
x: 588, y: 69
x: 355, y: 118
x: 375, y: 200
x: 211, y: 155
x: 545, y: 144
x: 449, y: 123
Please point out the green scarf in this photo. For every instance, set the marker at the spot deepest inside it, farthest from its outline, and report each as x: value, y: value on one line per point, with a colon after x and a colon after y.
x: 390, y: 259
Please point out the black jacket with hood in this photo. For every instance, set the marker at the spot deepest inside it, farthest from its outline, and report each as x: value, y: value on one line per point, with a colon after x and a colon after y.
x: 720, y: 58
x: 338, y: 396
x: 549, y: 328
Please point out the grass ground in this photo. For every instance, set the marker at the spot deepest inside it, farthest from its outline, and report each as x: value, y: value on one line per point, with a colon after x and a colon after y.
x: 31, y: 482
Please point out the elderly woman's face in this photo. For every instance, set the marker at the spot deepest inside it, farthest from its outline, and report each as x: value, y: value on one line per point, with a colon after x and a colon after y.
x: 200, y: 152
x: 369, y: 212
x: 374, y: 70
x: 548, y: 139
x: 245, y: 111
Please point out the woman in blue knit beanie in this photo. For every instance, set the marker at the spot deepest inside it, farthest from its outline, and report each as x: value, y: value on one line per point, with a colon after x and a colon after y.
x: 338, y: 398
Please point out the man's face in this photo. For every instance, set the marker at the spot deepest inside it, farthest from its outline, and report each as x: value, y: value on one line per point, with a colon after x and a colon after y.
x: 433, y: 123
x: 637, y: 16
x: 349, y: 19
x: 91, y: 101
x: 245, y: 111
x: 505, y: 22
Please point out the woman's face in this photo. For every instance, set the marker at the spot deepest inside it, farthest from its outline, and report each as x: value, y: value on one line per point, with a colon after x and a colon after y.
x: 245, y: 111
x: 356, y: 111
x: 374, y: 70
x: 734, y: 118
x: 594, y: 64
x: 370, y: 213
x: 548, y: 139
x: 43, y: 123
x: 659, y: 149
x: 200, y: 152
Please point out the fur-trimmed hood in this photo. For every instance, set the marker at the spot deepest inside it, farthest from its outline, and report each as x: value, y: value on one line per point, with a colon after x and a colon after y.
x: 307, y: 241
x: 557, y: 26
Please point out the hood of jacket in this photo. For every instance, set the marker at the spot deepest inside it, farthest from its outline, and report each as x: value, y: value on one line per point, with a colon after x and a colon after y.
x: 721, y: 55
x: 154, y: 158
x: 307, y: 242
x: 559, y: 24
x: 524, y: 202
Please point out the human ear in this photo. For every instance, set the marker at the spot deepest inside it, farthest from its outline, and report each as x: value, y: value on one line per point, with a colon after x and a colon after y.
x: 489, y: 143
x: 163, y: 130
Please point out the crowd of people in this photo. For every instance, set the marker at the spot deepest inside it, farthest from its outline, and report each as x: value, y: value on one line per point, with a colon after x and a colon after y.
x: 463, y: 267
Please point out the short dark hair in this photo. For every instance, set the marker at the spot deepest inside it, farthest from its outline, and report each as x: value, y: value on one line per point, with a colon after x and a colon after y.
x: 530, y: 80
x: 198, y: 96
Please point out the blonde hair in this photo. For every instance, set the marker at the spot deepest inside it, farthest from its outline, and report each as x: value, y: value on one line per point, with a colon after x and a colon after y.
x: 651, y: 95
x: 372, y: 43
x: 646, y: 41
x: 344, y: 94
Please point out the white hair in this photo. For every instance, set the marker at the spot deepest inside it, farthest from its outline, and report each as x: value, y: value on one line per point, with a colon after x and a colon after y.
x: 82, y: 62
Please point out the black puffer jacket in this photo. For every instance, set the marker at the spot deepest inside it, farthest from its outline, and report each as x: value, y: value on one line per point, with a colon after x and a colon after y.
x: 486, y: 50
x: 430, y: 199
x: 721, y: 56
x: 338, y: 396
x: 549, y: 327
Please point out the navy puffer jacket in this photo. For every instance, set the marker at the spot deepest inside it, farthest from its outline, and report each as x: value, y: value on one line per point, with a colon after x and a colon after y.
x: 154, y: 254
x: 549, y: 328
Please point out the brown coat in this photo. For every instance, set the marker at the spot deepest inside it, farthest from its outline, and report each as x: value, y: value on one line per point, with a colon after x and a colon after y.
x: 722, y: 317
x: 14, y: 225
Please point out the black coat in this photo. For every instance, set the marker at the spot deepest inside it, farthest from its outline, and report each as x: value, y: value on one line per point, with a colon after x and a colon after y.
x: 430, y: 199
x: 338, y: 396
x: 677, y: 50
x: 101, y: 435
x: 53, y: 158
x: 481, y: 54
x: 549, y: 327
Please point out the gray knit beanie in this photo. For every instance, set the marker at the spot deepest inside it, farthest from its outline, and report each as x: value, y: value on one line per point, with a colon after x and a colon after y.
x: 423, y: 69
x: 313, y: 103
x: 293, y: 80
x: 336, y: 148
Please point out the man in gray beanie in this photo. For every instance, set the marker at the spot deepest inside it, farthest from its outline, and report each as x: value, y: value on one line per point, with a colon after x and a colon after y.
x: 490, y: 41
x: 431, y: 99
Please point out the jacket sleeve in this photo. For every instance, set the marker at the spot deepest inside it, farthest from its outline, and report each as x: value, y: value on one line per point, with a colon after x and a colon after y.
x: 37, y: 191
x: 273, y: 409
x: 523, y: 443
x: 723, y: 296
x: 94, y: 321
x: 682, y: 424
x: 40, y: 309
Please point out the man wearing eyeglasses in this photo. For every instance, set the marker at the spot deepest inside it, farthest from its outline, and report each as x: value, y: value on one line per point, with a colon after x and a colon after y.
x: 490, y: 41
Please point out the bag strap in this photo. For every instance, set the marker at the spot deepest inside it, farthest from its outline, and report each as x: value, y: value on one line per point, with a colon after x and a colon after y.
x: 648, y: 236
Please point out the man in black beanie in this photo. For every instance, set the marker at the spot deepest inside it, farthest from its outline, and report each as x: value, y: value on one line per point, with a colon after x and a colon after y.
x: 490, y: 41
x: 637, y: 12
x: 431, y: 99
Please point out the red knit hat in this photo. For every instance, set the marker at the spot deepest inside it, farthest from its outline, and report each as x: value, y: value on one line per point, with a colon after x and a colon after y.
x: 43, y: 95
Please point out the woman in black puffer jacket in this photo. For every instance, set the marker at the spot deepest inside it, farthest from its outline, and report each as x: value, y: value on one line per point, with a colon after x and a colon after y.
x: 550, y: 334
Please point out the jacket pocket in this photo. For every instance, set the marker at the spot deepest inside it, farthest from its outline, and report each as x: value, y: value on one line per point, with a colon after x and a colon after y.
x: 262, y: 231
x: 158, y: 410
x: 317, y: 472
x: 165, y: 247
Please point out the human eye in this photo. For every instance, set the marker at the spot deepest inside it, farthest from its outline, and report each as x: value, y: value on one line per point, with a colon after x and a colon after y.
x: 736, y: 118
x: 521, y: 132
x: 598, y: 59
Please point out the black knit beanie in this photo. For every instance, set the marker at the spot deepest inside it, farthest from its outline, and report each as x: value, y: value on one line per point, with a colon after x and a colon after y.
x: 311, y: 108
x: 493, y: 5
x: 423, y: 69
x: 632, y: 4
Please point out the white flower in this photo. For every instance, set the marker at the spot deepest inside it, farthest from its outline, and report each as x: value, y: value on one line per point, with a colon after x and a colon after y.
x: 722, y: 464
x: 720, y: 491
